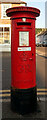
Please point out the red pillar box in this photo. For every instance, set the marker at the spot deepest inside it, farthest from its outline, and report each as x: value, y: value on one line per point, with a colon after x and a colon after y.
x: 23, y: 61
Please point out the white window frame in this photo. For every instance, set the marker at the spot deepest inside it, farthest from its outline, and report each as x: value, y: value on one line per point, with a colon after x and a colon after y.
x: 2, y: 11
x: 6, y: 25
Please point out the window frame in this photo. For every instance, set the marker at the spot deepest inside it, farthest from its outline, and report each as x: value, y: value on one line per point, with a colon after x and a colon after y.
x: 5, y: 25
x: 2, y: 17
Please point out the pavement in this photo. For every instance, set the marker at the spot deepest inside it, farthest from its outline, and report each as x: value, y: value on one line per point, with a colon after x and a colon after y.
x: 5, y: 103
x: 42, y: 51
x: 40, y: 113
x: 7, y: 113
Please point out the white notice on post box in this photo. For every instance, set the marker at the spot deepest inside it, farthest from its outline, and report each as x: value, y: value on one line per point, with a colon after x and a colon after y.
x: 24, y: 48
x: 23, y: 38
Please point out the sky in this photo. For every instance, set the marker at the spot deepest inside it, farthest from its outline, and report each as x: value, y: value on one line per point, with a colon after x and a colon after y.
x: 40, y: 4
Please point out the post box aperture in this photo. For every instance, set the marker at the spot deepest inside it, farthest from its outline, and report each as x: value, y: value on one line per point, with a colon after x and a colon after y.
x: 23, y: 60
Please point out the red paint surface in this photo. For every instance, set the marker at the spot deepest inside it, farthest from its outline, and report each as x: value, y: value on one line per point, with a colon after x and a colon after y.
x: 23, y: 63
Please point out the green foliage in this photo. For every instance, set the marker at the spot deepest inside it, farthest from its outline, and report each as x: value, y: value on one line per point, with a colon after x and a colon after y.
x: 38, y: 30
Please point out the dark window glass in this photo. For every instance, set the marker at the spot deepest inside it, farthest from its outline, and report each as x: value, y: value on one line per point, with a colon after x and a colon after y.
x: 6, y: 28
x: 1, y: 28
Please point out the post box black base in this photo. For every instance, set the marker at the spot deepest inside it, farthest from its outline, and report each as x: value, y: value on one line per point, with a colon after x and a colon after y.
x: 24, y: 100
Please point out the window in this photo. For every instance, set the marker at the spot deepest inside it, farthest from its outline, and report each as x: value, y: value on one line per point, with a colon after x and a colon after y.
x: 45, y: 37
x: 24, y: 38
x: 4, y: 35
x: 4, y: 7
x: 1, y: 34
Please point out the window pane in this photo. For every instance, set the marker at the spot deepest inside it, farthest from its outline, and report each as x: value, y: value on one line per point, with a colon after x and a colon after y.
x: 5, y: 6
x: 1, y: 38
x: 6, y: 41
x: 6, y: 28
x: 1, y: 34
x: 6, y: 36
x: 1, y: 28
x: 45, y: 37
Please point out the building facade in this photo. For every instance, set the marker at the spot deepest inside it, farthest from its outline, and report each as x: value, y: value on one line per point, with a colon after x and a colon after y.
x: 5, y: 23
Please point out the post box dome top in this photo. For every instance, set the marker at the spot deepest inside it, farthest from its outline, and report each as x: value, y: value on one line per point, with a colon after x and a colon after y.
x: 13, y: 10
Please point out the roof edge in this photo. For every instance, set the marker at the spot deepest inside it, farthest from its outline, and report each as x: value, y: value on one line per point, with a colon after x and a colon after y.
x: 22, y: 2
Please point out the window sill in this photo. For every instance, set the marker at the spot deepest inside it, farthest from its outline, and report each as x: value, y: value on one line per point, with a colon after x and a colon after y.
x: 5, y: 18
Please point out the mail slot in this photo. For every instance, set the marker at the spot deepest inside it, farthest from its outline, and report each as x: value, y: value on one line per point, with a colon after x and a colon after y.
x: 23, y: 58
